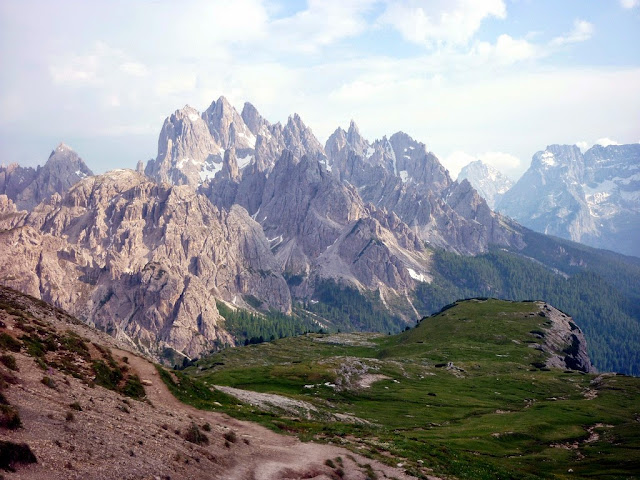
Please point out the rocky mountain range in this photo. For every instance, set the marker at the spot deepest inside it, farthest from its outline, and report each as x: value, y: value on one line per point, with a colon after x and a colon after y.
x: 489, y: 182
x: 237, y: 210
x: 116, y: 250
x: 591, y: 198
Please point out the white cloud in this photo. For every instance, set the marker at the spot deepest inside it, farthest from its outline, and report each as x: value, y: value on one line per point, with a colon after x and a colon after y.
x: 323, y: 23
x: 628, y: 3
x: 501, y: 161
x: 179, y: 83
x: 455, y: 161
x: 112, y: 100
x: 583, y: 145
x: 78, y: 70
x: 134, y: 68
x: 91, y: 68
x: 506, y: 50
x: 605, y: 142
x: 582, y: 31
x: 440, y: 21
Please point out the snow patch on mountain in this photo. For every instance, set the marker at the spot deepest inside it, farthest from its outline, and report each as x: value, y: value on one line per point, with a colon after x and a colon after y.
x: 416, y: 276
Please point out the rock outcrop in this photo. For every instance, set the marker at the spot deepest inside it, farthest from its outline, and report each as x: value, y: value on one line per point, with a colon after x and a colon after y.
x: 143, y: 261
x: 564, y: 342
x: 27, y: 187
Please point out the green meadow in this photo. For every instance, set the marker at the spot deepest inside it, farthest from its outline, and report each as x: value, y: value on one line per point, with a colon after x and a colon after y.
x: 462, y: 395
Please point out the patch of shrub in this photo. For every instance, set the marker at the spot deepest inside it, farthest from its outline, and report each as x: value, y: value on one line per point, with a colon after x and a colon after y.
x: 73, y: 343
x: 7, y: 342
x: 70, y: 417
x: 40, y: 362
x: 48, y: 381
x: 34, y: 346
x: 7, y: 378
x: 75, y: 406
x: 13, y: 454
x: 206, y: 427
x: 9, y: 361
x: 194, y: 435
x: 105, y: 376
x: 133, y: 388
x: 231, y: 436
x: 9, y: 417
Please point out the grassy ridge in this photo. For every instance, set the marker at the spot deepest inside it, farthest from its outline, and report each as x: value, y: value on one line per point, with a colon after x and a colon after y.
x: 608, y: 311
x: 490, y: 414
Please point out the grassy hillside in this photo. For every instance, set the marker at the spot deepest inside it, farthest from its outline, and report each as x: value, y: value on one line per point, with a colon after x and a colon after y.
x: 463, y: 393
x: 593, y: 286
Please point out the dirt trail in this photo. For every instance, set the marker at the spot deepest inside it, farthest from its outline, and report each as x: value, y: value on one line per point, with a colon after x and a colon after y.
x: 268, y: 455
x: 80, y: 431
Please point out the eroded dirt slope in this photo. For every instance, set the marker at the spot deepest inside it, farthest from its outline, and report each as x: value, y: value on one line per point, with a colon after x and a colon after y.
x: 77, y: 429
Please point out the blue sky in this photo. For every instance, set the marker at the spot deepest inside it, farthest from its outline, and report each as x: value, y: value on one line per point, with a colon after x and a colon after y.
x: 490, y: 79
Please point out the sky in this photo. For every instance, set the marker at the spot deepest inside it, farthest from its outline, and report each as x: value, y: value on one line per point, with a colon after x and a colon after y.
x: 491, y: 79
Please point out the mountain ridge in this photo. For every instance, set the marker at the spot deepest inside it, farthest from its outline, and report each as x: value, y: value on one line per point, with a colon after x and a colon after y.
x: 489, y: 182
x: 273, y: 224
x: 591, y: 198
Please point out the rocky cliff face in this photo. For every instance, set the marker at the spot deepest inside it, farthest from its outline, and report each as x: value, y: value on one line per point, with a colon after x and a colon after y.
x: 187, y: 153
x: 486, y: 180
x: 564, y: 342
x: 143, y: 261
x: 318, y: 227
x: 400, y: 175
x: 591, y: 198
x: 27, y: 187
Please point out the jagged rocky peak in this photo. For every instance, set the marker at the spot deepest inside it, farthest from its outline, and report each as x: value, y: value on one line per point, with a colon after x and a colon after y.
x: 558, y: 156
x: 489, y: 182
x: 187, y: 153
x: 356, y: 141
x: 254, y: 121
x: 300, y: 139
x: 64, y: 160
x: 230, y: 165
x: 14, y: 179
x: 222, y: 119
x: 336, y: 142
x: 28, y: 187
x: 414, y: 163
x: 341, y: 144
x: 614, y: 162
